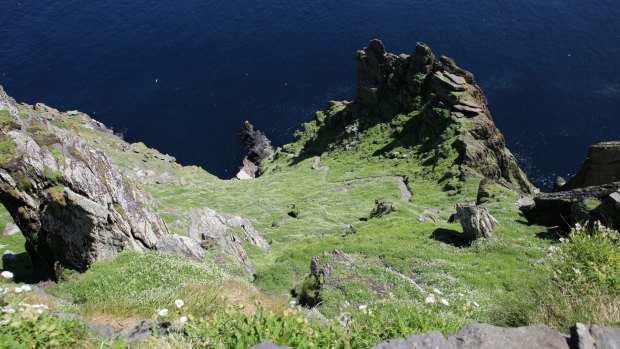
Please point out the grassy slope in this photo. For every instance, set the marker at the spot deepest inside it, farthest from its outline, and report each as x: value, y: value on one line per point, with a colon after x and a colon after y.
x: 393, y: 250
x: 398, y: 241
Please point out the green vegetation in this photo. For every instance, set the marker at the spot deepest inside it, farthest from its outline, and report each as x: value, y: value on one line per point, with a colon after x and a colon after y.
x: 135, y: 284
x: 410, y: 271
x: 582, y: 283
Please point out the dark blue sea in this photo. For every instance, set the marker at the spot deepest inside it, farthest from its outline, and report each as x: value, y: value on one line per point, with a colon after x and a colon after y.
x: 182, y: 75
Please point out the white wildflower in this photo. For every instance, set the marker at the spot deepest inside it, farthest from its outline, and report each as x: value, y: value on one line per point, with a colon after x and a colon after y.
x: 363, y: 307
x: 461, y: 295
x: 26, y: 288
x: 430, y: 299
x: 293, y: 303
x: 444, y: 302
x: 436, y: 291
x: 476, y: 304
x: 562, y: 240
x: 4, y: 322
x: 179, y: 303
x: 39, y: 311
x: 7, y: 274
x: 577, y: 271
x: 183, y: 320
x: 19, y: 290
x: 8, y: 310
x: 162, y: 312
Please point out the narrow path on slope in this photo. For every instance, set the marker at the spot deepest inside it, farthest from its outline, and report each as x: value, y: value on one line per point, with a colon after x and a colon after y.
x: 405, y: 194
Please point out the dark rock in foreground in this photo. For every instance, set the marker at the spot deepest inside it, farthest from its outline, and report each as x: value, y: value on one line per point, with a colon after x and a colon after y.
x: 532, y: 337
x: 482, y: 336
x: 71, y: 204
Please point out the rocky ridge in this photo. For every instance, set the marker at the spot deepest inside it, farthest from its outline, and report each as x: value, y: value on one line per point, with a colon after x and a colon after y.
x: 72, y: 205
x: 448, y: 110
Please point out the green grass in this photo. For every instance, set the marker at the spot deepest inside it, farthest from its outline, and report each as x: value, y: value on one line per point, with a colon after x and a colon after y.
x: 135, y: 283
x: 399, y: 260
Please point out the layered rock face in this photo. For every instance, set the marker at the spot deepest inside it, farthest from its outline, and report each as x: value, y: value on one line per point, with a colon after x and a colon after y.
x: 592, y: 194
x: 451, y: 104
x: 71, y: 204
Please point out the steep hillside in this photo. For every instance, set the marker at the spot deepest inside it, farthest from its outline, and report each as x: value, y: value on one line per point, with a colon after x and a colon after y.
x: 356, y: 219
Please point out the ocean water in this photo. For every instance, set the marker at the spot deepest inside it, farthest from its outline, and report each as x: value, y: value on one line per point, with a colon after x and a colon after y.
x: 183, y: 75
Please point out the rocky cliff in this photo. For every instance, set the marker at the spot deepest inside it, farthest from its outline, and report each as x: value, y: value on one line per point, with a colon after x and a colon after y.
x: 71, y: 204
x: 447, y: 119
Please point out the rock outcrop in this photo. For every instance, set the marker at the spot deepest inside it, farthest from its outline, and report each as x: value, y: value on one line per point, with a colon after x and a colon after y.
x: 450, y: 102
x: 382, y: 208
x: 434, y: 111
x: 565, y: 208
x: 71, y: 204
x: 601, y: 167
x: 216, y: 230
x: 592, y: 194
x: 482, y: 336
x: 476, y: 221
x: 258, y: 148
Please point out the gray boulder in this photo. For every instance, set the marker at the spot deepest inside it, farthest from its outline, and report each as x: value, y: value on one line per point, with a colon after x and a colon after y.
x: 218, y: 230
x: 594, y: 337
x: 71, y: 204
x: 476, y: 221
x: 481, y: 336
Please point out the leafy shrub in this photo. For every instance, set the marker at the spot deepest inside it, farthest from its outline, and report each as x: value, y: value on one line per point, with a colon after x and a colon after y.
x: 582, y: 283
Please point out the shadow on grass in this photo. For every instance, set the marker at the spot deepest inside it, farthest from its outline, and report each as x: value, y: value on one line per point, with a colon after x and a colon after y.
x: 21, y: 267
x: 450, y: 237
x: 553, y: 234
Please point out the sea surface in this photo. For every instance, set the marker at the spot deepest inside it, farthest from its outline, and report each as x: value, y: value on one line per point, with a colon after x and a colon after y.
x: 183, y: 75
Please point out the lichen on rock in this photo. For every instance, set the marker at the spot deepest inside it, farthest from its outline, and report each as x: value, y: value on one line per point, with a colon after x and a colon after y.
x: 72, y: 205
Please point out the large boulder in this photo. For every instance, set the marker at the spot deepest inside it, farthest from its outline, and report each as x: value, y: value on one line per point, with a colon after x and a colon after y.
x: 592, y: 194
x: 216, y: 230
x: 482, y: 336
x: 71, y: 204
x: 476, y: 221
x: 594, y: 337
x: 565, y: 208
